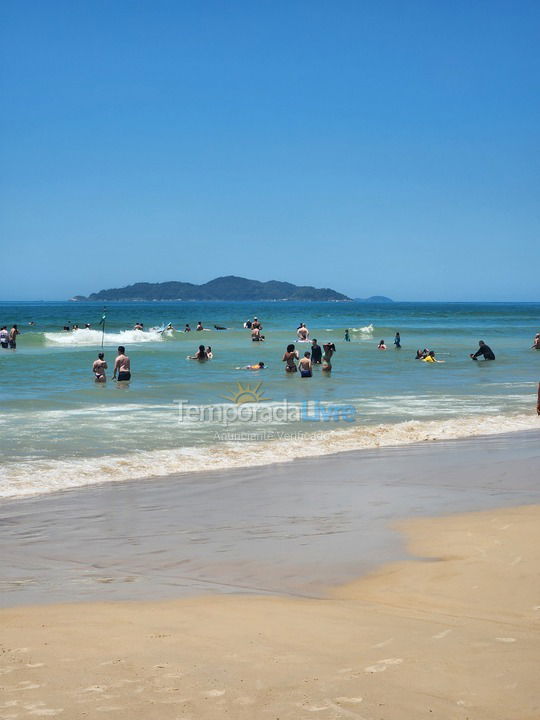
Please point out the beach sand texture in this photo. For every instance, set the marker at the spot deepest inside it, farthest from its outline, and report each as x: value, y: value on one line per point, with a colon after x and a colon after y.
x: 451, y: 633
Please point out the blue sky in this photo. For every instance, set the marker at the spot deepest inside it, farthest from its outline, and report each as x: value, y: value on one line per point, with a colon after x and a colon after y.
x: 373, y: 147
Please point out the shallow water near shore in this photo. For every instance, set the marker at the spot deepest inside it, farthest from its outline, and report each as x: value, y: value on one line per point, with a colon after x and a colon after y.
x: 290, y: 528
x: 63, y: 430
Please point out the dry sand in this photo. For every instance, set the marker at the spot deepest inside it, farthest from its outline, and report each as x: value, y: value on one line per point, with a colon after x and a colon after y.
x: 450, y: 634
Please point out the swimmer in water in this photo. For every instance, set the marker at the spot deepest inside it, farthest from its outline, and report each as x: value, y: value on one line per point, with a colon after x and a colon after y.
x: 99, y: 367
x: 187, y: 328
x: 199, y: 326
x: 209, y: 353
x: 430, y: 358
x: 290, y: 357
x: 200, y: 355
x: 536, y: 342
x: 381, y: 346
x: 302, y: 332
x: 258, y: 366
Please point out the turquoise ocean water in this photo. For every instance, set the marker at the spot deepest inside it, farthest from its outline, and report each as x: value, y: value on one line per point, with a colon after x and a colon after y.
x: 60, y: 430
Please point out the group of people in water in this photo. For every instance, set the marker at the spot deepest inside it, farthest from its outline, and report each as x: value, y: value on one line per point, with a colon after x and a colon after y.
x: 8, y: 339
x: 382, y: 344
x: 295, y: 362
x: 316, y: 356
x: 121, y: 369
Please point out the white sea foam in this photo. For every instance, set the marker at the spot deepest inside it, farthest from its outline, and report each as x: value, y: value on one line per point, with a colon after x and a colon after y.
x: 86, y: 336
x: 260, y: 447
x: 367, y: 330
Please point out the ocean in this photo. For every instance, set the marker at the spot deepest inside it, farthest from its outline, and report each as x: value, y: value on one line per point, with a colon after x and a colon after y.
x: 61, y: 430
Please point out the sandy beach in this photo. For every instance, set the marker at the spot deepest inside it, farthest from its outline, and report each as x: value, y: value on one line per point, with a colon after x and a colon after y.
x: 380, y: 585
x: 451, y: 633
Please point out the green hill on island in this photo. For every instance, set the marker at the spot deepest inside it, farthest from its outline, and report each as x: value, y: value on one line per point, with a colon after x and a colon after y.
x: 223, y: 288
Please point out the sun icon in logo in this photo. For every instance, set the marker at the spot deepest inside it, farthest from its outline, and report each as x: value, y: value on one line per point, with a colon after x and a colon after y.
x: 246, y: 394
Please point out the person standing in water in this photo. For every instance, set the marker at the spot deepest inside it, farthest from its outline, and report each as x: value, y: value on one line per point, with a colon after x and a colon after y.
x: 329, y: 350
x: 397, y: 341
x: 290, y: 357
x: 13, y: 337
x: 302, y: 332
x: 381, y: 346
x: 347, y: 336
x: 305, y: 365
x: 122, y: 366
x: 4, y: 337
x: 483, y: 350
x: 316, y: 352
x: 99, y: 367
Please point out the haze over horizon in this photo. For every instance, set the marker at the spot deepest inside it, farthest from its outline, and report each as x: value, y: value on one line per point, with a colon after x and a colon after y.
x: 376, y: 149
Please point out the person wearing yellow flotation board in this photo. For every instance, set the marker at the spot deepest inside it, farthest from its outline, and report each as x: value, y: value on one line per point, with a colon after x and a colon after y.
x: 430, y: 358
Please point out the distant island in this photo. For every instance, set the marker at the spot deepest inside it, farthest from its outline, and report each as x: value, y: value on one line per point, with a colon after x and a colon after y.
x: 229, y: 288
x: 375, y: 299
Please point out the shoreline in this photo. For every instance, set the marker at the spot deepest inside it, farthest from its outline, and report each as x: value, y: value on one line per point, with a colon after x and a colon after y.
x: 448, y: 633
x: 292, y: 528
x: 230, y: 455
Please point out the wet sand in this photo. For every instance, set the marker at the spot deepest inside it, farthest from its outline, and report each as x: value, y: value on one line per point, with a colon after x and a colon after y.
x: 451, y: 633
x: 341, y: 587
x: 292, y: 528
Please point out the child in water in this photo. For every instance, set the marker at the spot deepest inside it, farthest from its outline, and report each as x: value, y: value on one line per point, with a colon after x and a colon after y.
x: 305, y: 365
x: 430, y: 358
x: 258, y: 366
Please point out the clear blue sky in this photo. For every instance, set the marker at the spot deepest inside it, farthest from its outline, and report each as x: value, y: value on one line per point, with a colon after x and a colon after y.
x: 374, y: 147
